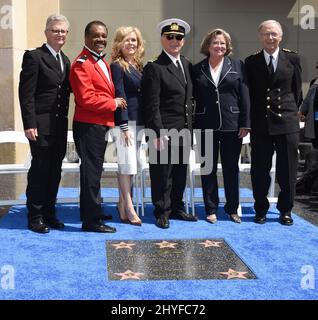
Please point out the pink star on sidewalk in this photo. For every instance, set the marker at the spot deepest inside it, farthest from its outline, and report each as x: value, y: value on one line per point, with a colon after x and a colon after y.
x: 130, y: 275
x: 166, y: 244
x: 209, y: 243
x: 233, y: 274
x: 123, y: 245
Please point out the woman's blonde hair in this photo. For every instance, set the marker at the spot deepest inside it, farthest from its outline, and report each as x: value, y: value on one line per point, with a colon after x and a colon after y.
x: 210, y: 36
x: 117, y: 56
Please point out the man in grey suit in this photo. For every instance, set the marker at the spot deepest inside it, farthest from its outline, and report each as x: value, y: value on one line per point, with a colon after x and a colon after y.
x: 44, y: 92
x: 274, y: 76
x: 166, y: 97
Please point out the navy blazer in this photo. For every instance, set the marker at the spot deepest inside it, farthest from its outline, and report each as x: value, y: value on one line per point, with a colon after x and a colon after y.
x: 308, y: 108
x: 225, y: 106
x: 167, y: 99
x: 127, y: 86
x: 274, y: 99
x: 44, y: 92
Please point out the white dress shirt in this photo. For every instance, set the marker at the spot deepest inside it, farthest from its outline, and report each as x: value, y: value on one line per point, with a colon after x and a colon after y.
x: 100, y: 62
x: 217, y: 73
x: 54, y: 53
x: 275, y: 58
x: 174, y: 60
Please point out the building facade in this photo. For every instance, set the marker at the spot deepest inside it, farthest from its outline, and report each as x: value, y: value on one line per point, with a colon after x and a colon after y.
x: 22, y: 25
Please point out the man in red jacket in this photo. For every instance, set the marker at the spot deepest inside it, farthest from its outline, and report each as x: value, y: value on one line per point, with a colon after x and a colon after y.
x: 95, y: 104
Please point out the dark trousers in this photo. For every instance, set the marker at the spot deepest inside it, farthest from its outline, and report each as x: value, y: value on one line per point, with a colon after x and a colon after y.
x: 168, y: 182
x: 286, y: 147
x: 90, y: 144
x: 44, y: 175
x: 315, y: 141
x: 229, y: 146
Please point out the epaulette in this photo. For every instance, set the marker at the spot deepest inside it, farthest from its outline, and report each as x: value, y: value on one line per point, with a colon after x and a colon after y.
x: 154, y: 59
x: 287, y: 50
x: 257, y: 52
x: 82, y: 59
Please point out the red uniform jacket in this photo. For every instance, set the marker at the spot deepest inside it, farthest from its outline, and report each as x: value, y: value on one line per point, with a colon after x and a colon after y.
x: 94, y: 94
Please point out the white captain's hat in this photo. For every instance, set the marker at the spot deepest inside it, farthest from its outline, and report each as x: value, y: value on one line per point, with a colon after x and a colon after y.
x: 174, y: 25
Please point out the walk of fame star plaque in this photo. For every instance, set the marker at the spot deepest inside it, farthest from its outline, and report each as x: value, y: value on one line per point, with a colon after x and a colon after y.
x: 195, y: 259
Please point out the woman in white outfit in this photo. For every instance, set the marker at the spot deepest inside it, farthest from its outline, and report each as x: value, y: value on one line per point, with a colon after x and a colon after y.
x: 126, y: 67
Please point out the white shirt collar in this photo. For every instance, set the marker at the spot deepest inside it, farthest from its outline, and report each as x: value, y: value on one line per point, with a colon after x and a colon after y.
x: 100, y: 62
x: 173, y: 59
x: 94, y: 54
x: 267, y: 55
x: 275, y: 58
x: 216, y: 74
x: 54, y: 53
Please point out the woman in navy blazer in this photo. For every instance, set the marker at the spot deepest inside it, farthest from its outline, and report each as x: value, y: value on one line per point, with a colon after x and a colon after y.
x: 223, y: 105
x: 126, y: 68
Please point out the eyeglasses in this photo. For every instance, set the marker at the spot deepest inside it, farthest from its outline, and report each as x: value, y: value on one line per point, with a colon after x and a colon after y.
x: 268, y: 34
x: 55, y: 31
x: 178, y: 37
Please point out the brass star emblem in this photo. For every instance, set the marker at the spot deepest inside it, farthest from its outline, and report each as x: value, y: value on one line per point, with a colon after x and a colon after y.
x: 123, y: 245
x: 130, y: 275
x: 209, y: 243
x: 233, y: 274
x: 166, y: 244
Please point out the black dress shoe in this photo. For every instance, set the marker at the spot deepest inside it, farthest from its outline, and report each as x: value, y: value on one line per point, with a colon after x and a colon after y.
x: 98, y: 228
x: 286, y: 219
x: 38, y: 226
x: 162, y: 222
x: 181, y: 215
x: 260, y: 218
x: 54, y: 223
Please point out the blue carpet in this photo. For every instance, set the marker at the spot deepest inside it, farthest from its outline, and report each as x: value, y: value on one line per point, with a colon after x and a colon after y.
x: 71, y: 264
x: 113, y: 192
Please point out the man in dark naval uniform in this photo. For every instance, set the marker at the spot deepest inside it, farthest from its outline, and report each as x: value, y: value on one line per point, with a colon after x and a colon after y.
x: 274, y: 76
x: 44, y: 92
x: 167, y: 104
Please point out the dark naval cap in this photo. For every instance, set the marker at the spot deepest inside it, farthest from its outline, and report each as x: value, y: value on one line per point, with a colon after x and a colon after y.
x: 175, y: 26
